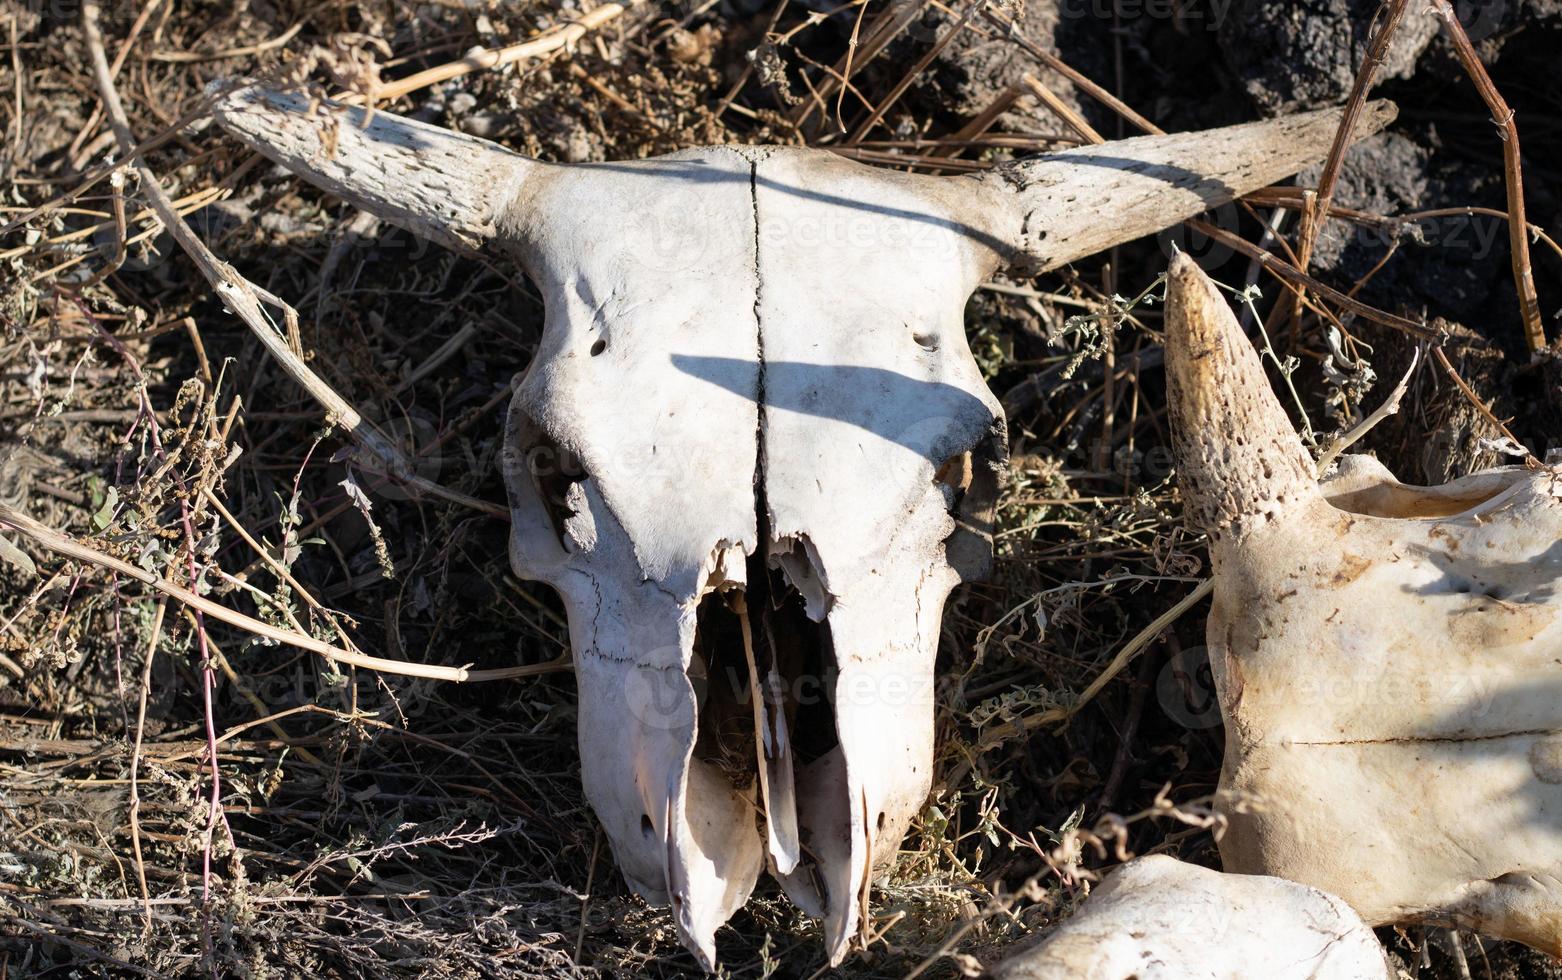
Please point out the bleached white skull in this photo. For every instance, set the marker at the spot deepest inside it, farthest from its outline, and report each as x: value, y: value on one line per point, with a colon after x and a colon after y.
x: 1388, y: 658
x: 754, y: 446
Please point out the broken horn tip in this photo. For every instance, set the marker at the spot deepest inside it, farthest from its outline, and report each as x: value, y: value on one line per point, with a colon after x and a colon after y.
x: 1375, y: 117
x: 1182, y: 269
x: 1193, y: 302
x: 1239, y: 459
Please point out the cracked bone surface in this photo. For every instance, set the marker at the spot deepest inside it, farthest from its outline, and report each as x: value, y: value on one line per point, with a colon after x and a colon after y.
x: 1156, y: 918
x: 753, y: 442
x: 1388, y: 658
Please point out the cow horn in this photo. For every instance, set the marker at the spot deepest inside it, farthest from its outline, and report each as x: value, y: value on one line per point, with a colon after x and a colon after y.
x: 445, y: 186
x: 1241, y: 464
x: 1064, y: 206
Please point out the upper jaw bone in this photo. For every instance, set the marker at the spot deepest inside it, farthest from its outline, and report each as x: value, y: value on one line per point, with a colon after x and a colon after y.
x: 754, y: 445
x: 1386, y: 656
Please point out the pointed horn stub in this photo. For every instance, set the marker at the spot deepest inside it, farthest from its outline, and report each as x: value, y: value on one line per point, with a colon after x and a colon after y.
x: 1064, y: 206
x: 1240, y: 463
x: 445, y: 186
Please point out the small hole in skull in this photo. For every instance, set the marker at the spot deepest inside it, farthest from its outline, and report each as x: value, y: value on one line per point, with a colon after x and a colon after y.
x: 882, y: 818
x: 598, y: 347
x: 926, y: 341
x: 646, y: 827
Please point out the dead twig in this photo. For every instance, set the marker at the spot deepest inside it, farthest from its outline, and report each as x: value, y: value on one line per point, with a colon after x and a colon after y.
x: 1011, y: 31
x: 1392, y: 13
x: 243, y: 298
x: 63, y: 545
x: 547, y: 42
x: 1061, y: 109
x: 883, y: 30
x: 1508, y: 131
x: 1288, y: 274
x: 1481, y: 406
x: 135, y: 763
x: 933, y: 51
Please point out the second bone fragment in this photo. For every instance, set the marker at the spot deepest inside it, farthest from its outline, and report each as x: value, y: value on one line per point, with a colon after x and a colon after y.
x: 1388, y: 658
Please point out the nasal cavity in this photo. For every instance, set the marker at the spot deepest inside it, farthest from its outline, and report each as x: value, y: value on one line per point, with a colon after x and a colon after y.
x: 787, y: 645
x: 725, y: 735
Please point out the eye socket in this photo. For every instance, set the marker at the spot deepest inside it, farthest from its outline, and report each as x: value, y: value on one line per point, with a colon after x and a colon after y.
x: 598, y: 347
x: 548, y: 467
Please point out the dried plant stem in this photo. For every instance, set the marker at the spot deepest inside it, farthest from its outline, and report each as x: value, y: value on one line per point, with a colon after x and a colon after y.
x: 242, y: 297
x: 1052, y: 716
x: 221, y: 661
x: 1301, y: 281
x: 64, y: 545
x: 1508, y: 130
x: 1389, y: 407
x: 135, y: 762
x: 240, y: 52
x: 1061, y: 109
x: 1011, y: 31
x: 91, y: 179
x: 547, y: 42
x: 276, y: 567
x: 1291, y: 199
x: 1480, y: 406
x: 16, y: 78
x: 1392, y: 12
x: 933, y: 51
x: 884, y: 30
x: 193, y: 572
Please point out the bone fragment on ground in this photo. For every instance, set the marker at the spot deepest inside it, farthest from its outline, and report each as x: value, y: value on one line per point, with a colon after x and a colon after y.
x: 1388, y: 658
x: 1157, y: 918
x: 754, y: 379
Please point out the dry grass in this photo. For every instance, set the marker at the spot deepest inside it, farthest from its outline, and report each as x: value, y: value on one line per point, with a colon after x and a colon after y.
x: 377, y: 825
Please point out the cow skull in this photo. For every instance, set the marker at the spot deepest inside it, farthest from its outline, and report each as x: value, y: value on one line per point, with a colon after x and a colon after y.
x: 1157, y: 918
x: 754, y: 453
x: 1388, y: 658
